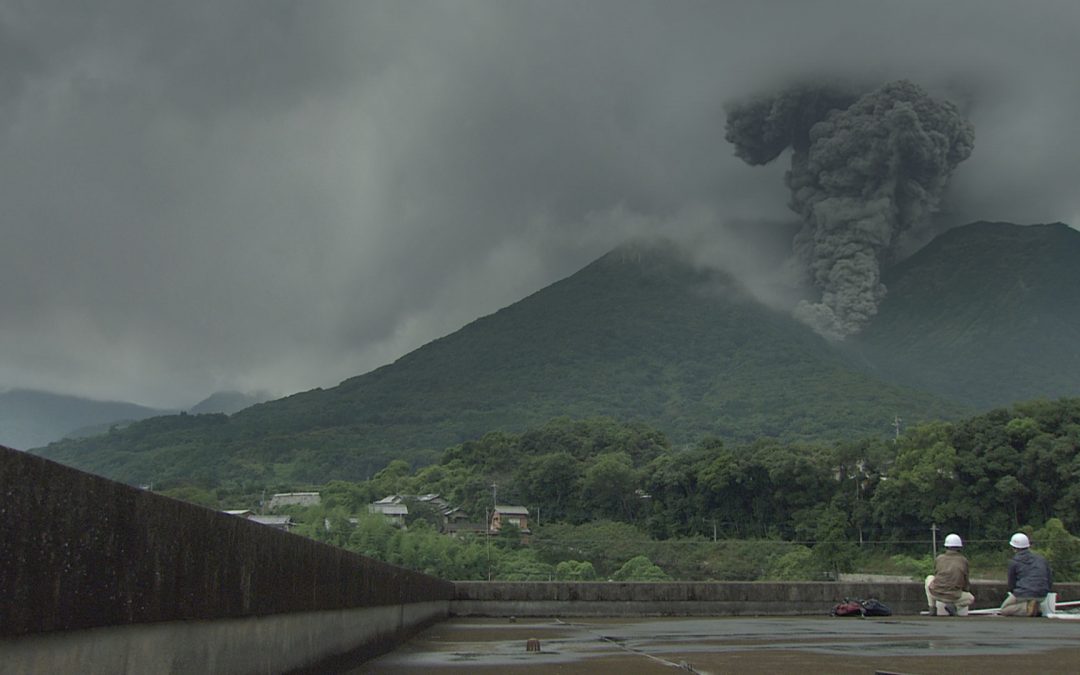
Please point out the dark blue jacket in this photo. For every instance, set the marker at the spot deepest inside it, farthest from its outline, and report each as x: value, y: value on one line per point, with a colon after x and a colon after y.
x: 1029, y: 575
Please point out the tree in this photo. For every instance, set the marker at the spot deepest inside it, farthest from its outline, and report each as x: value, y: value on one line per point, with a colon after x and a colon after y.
x: 1062, y: 550
x: 1011, y: 492
x: 424, y: 511
x: 552, y: 481
x: 605, y: 544
x: 575, y: 570
x: 372, y: 534
x: 392, y: 479
x: 522, y: 565
x: 798, y: 564
x: 917, y: 487
x: 640, y: 568
x: 833, y: 551
x: 672, y: 481
x: 608, y: 487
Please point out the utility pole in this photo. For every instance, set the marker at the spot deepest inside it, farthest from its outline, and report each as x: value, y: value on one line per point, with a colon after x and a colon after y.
x: 933, y: 536
x: 896, y: 425
x: 494, y: 508
x: 487, y: 542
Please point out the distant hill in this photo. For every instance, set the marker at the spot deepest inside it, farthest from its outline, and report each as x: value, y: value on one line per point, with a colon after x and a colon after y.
x: 637, y: 335
x: 988, y: 314
x: 228, y: 402
x: 29, y: 418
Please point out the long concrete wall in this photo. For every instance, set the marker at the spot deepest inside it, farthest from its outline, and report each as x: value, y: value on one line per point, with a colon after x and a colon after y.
x: 107, y: 574
x: 477, y: 598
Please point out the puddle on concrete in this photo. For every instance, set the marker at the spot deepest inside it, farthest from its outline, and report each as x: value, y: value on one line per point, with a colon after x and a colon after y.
x: 570, y: 645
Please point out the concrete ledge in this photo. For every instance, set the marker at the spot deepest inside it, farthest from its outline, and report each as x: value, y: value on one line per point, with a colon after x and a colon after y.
x: 618, y: 599
x: 300, y: 642
x: 99, y: 577
x: 84, y: 552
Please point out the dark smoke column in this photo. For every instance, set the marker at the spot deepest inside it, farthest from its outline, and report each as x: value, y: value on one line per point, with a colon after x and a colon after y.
x: 863, y: 170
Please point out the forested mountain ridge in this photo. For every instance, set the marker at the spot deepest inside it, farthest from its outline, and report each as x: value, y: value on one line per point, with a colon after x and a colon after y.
x: 228, y: 402
x: 637, y: 335
x: 30, y: 418
x: 985, y: 314
x: 988, y: 314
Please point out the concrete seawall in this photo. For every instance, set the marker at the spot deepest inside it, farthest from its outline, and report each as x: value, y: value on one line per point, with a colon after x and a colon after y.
x: 123, y: 580
x: 752, y: 598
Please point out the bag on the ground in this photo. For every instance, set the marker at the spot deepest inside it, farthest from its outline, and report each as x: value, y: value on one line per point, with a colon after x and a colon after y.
x: 848, y: 608
x: 875, y: 607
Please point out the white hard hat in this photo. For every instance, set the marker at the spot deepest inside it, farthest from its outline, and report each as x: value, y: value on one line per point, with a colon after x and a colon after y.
x: 953, y: 541
x: 1020, y: 540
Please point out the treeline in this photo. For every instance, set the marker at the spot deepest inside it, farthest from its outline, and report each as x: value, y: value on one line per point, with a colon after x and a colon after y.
x: 816, y: 509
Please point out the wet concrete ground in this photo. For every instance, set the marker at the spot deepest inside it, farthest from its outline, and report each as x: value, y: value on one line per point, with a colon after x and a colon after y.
x: 742, y: 645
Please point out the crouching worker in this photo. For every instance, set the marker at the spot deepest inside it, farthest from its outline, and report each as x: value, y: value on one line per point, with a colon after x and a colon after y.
x: 948, y: 589
x: 1030, y: 579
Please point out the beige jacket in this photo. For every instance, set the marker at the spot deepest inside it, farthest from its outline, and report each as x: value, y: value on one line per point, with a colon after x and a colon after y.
x: 950, y: 576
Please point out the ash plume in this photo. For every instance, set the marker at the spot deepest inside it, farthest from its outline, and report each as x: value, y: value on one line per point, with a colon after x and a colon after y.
x: 864, y: 168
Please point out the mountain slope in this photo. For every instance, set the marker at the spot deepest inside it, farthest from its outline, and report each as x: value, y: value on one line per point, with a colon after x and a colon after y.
x: 638, y: 334
x: 987, y: 314
x: 228, y: 402
x: 33, y: 418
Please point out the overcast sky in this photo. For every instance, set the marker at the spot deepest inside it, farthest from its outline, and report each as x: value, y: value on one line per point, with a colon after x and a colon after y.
x: 198, y: 196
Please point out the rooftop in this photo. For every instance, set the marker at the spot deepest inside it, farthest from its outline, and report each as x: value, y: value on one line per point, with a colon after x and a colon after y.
x: 740, y: 644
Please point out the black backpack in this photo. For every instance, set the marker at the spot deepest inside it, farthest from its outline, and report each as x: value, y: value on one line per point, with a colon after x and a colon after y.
x: 875, y: 607
x: 868, y: 607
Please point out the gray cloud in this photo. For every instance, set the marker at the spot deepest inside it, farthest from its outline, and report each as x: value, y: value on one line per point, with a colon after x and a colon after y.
x: 270, y: 195
x: 865, y: 168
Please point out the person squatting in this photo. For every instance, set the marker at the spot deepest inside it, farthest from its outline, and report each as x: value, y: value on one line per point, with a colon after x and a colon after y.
x: 1030, y: 579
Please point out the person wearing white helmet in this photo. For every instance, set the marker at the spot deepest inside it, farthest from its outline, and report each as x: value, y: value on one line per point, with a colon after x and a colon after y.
x: 949, y: 587
x: 1030, y: 579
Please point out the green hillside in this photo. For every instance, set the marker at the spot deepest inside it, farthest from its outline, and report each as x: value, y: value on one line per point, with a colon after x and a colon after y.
x: 988, y: 314
x: 636, y: 335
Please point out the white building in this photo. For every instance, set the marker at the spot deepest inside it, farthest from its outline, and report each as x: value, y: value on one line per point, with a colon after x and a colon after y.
x: 294, y: 499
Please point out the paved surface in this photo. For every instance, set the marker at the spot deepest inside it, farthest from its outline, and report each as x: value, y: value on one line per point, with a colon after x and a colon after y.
x: 742, y: 645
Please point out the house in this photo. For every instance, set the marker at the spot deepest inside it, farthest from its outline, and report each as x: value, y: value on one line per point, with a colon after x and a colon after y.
x: 450, y: 515
x: 278, y: 522
x: 294, y: 499
x: 457, y: 528
x: 454, y: 516
x: 392, y: 510
x: 518, y: 516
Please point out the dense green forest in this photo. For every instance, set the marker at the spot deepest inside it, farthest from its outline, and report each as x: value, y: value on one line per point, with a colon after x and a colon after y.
x: 604, y: 495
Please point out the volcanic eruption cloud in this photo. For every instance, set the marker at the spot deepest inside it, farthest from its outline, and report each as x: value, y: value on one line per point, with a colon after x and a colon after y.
x: 864, y: 168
